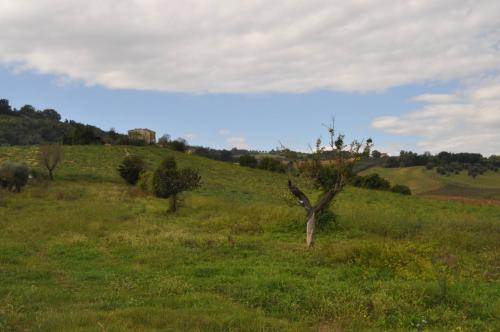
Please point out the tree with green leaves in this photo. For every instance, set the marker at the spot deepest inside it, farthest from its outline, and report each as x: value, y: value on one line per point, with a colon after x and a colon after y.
x: 131, y: 168
x: 169, y: 181
x: 330, y: 169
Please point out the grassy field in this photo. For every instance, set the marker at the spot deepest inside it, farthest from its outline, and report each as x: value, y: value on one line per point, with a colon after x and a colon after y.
x: 89, y: 253
x: 428, y: 182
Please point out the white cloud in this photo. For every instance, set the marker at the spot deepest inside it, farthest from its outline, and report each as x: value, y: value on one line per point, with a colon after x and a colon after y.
x: 239, y: 142
x: 472, y: 124
x: 190, y: 136
x: 435, y: 98
x: 252, y: 45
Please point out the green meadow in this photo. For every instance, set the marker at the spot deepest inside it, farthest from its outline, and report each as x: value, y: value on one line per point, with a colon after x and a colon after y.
x: 89, y: 253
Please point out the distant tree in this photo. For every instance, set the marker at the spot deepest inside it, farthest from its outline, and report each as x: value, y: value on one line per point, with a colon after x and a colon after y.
x: 271, y: 164
x: 27, y: 110
x: 169, y: 182
x: 376, y: 154
x: 375, y: 181
x: 401, y: 189
x: 131, y: 168
x: 179, y: 145
x: 226, y: 155
x: 164, y: 141
x: 13, y: 176
x: 329, y: 175
x: 50, y: 156
x: 51, y: 114
x: 391, y: 162
x: 5, y: 107
x: 248, y: 160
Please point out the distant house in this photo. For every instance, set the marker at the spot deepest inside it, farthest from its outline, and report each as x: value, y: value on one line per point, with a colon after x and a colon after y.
x: 146, y: 135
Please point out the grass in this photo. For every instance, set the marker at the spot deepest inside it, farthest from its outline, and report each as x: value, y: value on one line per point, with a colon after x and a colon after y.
x: 428, y: 182
x: 87, y: 252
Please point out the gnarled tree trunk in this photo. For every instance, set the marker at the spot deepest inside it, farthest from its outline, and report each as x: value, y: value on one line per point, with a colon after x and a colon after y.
x: 313, y: 212
x: 310, y: 229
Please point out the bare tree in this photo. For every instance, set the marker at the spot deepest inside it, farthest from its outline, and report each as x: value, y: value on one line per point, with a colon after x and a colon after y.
x: 330, y: 167
x: 50, y: 156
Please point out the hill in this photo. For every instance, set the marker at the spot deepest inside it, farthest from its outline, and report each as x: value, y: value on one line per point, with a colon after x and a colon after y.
x: 427, y: 182
x: 87, y: 252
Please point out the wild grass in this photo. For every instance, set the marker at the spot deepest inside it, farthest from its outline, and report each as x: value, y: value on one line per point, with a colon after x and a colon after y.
x: 87, y: 252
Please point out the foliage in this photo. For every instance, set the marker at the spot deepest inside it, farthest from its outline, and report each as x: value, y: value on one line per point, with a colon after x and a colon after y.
x: 247, y: 160
x: 31, y: 126
x: 271, y: 164
x: 131, y: 168
x: 168, y: 181
x: 401, y: 189
x: 13, y: 176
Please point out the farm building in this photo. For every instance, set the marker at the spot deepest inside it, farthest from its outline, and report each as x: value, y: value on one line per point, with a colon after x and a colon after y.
x: 147, y: 135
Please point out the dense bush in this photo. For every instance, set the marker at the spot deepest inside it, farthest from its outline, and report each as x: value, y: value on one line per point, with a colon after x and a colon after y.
x: 401, y: 189
x: 271, y: 164
x: 131, y: 168
x: 375, y: 181
x: 169, y: 182
x: 13, y: 176
x: 248, y: 160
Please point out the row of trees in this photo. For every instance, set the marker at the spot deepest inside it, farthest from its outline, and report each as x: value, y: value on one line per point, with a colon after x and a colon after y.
x: 266, y: 163
x: 446, y: 163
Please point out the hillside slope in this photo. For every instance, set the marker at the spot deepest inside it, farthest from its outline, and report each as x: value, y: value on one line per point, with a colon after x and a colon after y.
x: 428, y: 182
x: 87, y: 252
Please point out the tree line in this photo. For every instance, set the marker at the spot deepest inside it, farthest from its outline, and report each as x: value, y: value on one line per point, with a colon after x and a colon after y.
x: 446, y: 163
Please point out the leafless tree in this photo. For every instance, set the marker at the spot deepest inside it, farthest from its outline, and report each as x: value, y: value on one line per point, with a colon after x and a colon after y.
x: 330, y: 167
x: 50, y: 156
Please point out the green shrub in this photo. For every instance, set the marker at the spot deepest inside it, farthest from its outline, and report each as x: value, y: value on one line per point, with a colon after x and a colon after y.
x: 131, y: 168
x: 248, y: 160
x: 14, y: 176
x: 271, y: 164
x: 401, y: 189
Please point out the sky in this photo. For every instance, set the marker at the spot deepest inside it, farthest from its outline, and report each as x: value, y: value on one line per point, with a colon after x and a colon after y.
x: 416, y: 75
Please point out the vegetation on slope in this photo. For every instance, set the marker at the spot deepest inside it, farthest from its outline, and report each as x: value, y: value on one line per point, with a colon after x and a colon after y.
x: 428, y: 182
x: 88, y: 252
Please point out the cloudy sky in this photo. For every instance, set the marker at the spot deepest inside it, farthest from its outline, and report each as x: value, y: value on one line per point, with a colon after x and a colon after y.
x: 421, y: 75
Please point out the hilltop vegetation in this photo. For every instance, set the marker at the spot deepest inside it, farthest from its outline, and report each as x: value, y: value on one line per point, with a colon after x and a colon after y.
x: 427, y: 182
x: 89, y: 252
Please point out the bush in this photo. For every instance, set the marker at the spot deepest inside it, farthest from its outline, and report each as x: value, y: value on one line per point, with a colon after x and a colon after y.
x: 131, y: 168
x: 179, y: 145
x: 248, y: 160
x: 401, y: 189
x: 375, y: 181
x: 271, y: 164
x: 13, y: 176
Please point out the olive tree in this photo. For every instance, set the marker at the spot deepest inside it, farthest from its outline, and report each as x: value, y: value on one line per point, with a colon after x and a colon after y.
x: 169, y: 181
x: 50, y: 156
x: 13, y: 176
x: 330, y: 168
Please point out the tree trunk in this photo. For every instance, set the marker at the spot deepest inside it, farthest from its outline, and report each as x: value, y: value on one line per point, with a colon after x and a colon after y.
x: 51, y: 176
x: 173, y: 203
x: 310, y: 229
